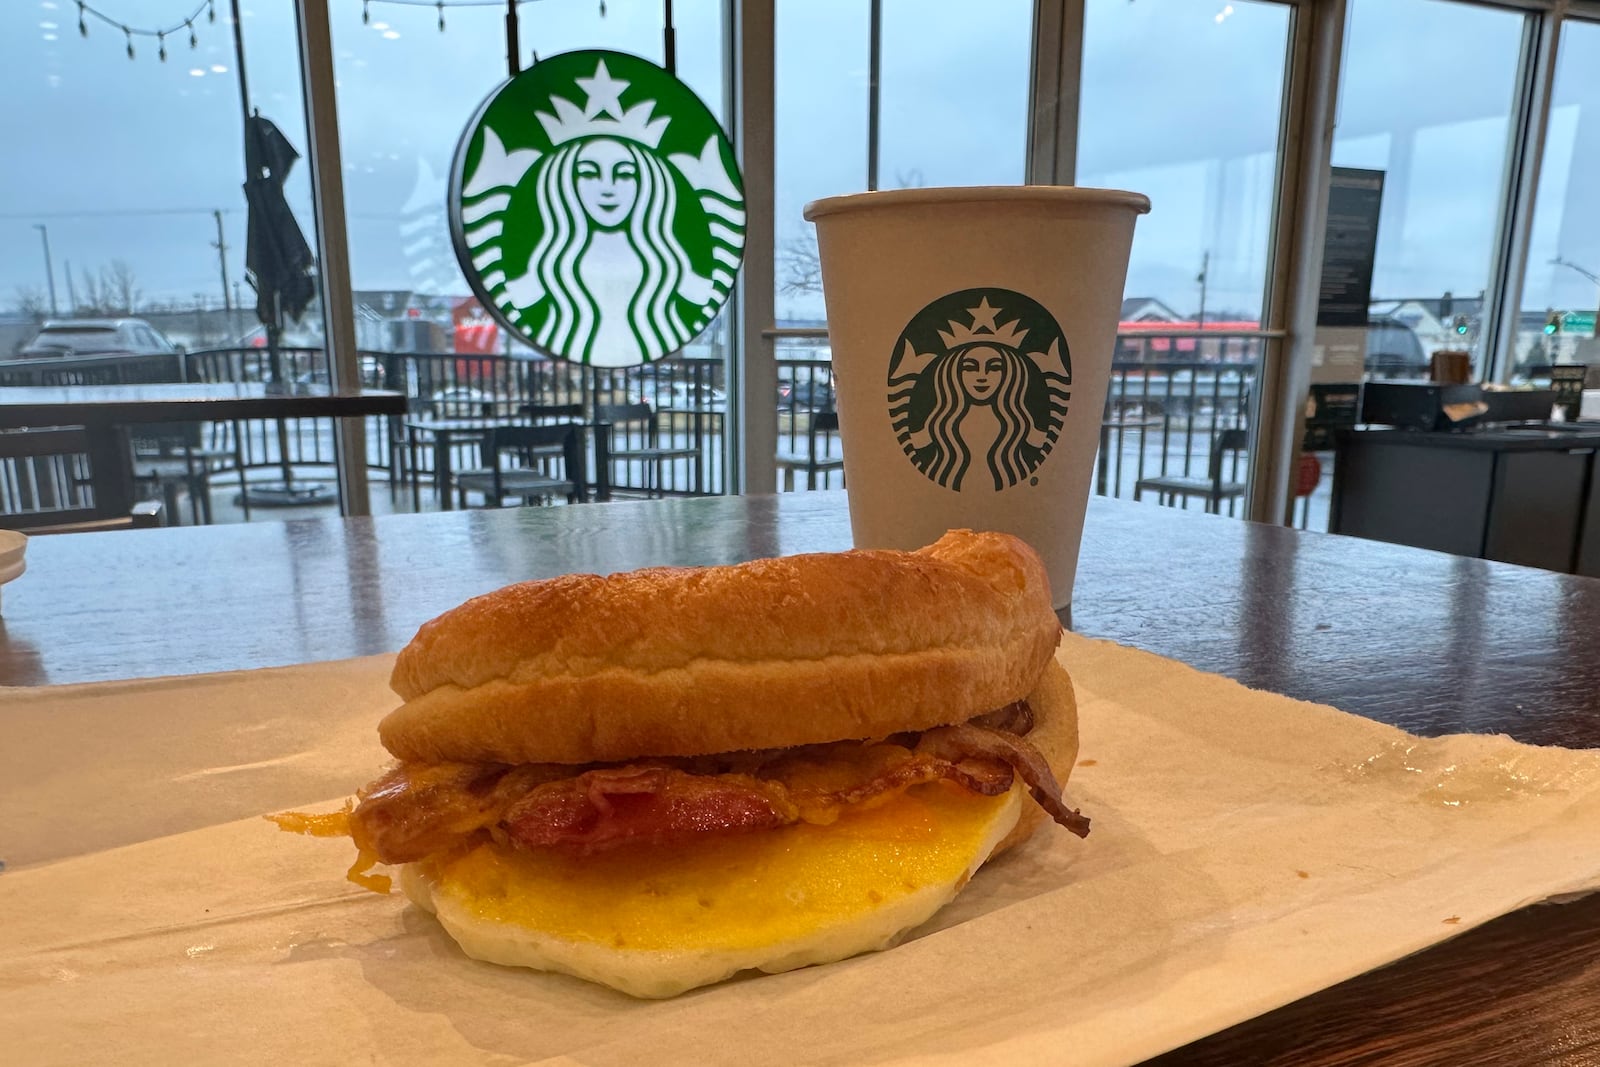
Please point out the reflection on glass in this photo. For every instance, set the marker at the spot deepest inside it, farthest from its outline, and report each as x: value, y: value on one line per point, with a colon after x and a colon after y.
x: 1198, y: 136
x: 1562, y: 286
x: 1435, y: 120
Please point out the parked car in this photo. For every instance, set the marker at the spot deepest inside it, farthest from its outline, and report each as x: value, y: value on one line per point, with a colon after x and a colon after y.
x: 98, y: 337
x: 1393, y: 350
x: 805, y: 395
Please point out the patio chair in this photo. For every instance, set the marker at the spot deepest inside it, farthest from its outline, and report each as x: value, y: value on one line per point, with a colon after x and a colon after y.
x: 174, y: 456
x: 534, y: 449
x: 45, y: 485
x: 1169, y: 489
x: 824, y: 424
x: 642, y: 421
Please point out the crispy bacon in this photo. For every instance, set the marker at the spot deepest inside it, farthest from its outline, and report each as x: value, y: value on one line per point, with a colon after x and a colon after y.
x: 966, y: 742
x: 415, y: 811
x: 615, y: 806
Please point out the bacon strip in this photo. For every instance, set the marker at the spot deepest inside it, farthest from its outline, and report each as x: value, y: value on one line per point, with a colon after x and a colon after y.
x: 415, y: 811
x: 963, y: 742
x: 604, y: 809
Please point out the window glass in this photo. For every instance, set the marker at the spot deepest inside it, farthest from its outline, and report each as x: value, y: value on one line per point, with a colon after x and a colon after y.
x: 1562, y: 286
x: 820, y: 69
x: 406, y: 93
x: 1198, y: 137
x: 953, y: 94
x: 1436, y: 121
x: 130, y: 171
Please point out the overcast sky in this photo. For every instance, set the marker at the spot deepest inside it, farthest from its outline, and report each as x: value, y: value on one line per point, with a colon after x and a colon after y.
x: 128, y: 159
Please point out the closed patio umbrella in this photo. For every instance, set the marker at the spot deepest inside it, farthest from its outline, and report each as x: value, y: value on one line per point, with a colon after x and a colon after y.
x: 277, y: 259
x: 280, y: 267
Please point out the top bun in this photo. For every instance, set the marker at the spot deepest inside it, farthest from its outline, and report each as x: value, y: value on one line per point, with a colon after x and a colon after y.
x: 688, y: 661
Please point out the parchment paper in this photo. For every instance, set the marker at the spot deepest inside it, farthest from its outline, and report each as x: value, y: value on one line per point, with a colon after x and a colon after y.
x: 1247, y: 850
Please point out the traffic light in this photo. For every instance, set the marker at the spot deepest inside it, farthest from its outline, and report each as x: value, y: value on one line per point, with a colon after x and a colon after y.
x: 1552, y: 324
x: 1461, y: 325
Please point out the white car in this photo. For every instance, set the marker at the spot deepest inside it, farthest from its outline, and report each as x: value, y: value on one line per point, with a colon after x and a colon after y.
x: 98, y: 337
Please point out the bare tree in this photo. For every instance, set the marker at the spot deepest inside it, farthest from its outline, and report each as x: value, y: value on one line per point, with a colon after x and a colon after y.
x: 112, y: 290
x: 801, y: 265
x: 31, y: 301
x: 122, y: 286
x: 91, y: 294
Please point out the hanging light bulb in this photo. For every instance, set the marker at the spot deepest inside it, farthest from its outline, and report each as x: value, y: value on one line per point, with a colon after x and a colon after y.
x: 161, y: 45
x: 129, y: 34
x: 211, y: 10
x: 602, y: 8
x: 440, y: 6
x: 83, y: 27
x: 194, y: 42
x: 366, y: 13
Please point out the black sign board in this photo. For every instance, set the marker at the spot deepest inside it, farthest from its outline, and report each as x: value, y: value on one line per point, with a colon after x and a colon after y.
x: 1329, y: 408
x: 1349, y: 245
x: 1567, y: 380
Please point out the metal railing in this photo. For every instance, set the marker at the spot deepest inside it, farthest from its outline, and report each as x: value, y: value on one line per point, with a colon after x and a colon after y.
x: 1170, y: 393
x: 687, y: 395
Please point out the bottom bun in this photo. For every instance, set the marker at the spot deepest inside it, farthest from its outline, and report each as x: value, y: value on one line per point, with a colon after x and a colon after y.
x: 657, y: 922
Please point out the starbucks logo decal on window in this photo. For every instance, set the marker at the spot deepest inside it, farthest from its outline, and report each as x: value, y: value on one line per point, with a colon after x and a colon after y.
x: 978, y: 388
x: 597, y: 210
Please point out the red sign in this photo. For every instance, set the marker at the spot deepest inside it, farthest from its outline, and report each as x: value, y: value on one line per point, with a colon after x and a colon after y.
x: 475, y: 332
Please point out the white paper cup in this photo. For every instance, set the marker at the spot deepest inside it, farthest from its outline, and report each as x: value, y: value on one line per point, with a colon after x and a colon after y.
x: 972, y: 332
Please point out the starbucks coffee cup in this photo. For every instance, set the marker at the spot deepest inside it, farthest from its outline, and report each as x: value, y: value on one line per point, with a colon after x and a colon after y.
x: 972, y: 331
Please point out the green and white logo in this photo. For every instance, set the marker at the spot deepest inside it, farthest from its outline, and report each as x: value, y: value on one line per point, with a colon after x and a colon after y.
x: 981, y: 376
x: 597, y: 209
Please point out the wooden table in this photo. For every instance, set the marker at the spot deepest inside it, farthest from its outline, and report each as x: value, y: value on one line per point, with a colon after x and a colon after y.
x: 1431, y: 643
x: 107, y: 410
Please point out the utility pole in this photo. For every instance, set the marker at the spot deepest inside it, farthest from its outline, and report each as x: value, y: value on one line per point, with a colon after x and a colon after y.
x: 72, y: 290
x: 222, y: 260
x: 1205, y: 268
x: 49, y: 271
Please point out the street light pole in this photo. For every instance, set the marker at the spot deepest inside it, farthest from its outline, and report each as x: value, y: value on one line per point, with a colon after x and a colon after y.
x: 49, y: 271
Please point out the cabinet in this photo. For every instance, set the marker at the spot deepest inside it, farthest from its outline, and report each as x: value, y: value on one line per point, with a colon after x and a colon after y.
x: 1517, y: 495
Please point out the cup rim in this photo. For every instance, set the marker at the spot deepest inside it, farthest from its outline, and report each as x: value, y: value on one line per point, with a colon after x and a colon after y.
x: 964, y: 194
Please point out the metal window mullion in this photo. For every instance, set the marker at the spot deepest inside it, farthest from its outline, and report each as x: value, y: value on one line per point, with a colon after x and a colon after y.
x: 1300, y: 211
x: 1529, y: 124
x: 333, y: 250
x: 874, y: 92
x: 754, y: 422
x: 1054, y: 92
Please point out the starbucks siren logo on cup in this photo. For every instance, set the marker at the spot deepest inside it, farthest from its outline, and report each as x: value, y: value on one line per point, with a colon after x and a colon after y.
x: 597, y: 210
x: 978, y: 388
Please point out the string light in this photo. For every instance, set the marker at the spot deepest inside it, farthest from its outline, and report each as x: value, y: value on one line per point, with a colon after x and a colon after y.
x: 439, y: 6
x: 86, y: 9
